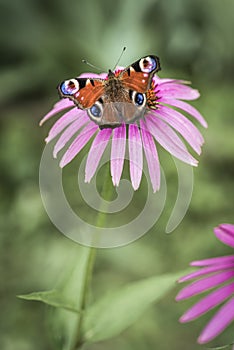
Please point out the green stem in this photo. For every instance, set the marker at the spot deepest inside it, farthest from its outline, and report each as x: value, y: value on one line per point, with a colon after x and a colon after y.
x: 106, y: 193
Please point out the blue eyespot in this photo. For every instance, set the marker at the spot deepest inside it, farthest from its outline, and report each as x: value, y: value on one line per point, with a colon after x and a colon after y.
x: 69, y: 87
x: 139, y: 99
x: 148, y: 64
x: 96, y: 110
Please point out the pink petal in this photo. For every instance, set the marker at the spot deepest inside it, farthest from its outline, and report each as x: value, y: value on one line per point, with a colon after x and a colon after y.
x: 214, y: 261
x: 151, y: 156
x: 206, y: 271
x: 218, y: 323
x: 71, y: 130
x: 187, y: 108
x: 96, y: 151
x: 204, y: 284
x: 135, y: 155
x: 183, y: 126
x: 169, y: 139
x: 118, y: 153
x: 79, y: 142
x: 208, y: 302
x: 64, y: 121
x: 225, y: 233
x: 161, y: 81
x: 176, y: 91
x: 93, y: 75
x: 58, y: 107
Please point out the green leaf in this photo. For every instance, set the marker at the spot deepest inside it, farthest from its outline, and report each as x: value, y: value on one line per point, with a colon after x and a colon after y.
x: 120, y: 309
x: 52, y: 297
x: 65, y: 324
x: 68, y: 297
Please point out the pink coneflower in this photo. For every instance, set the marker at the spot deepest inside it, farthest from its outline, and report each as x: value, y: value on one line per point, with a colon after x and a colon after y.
x: 161, y: 122
x: 215, y: 272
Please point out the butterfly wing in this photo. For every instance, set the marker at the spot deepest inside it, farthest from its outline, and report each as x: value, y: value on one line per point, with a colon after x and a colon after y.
x: 138, y: 76
x: 83, y: 91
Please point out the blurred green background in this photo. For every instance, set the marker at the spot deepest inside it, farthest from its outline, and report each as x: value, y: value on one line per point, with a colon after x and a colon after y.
x: 43, y: 43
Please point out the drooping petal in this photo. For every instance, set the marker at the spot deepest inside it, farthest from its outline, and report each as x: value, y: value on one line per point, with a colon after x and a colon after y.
x: 151, y: 156
x: 118, y: 153
x: 223, y: 317
x: 135, y: 155
x: 96, y: 151
x: 64, y: 121
x: 206, y: 271
x: 214, y: 261
x: 225, y: 233
x: 58, y: 107
x: 186, y: 107
x: 169, y: 139
x: 79, y: 142
x: 183, y: 125
x: 176, y: 91
x: 208, y: 302
x: 71, y: 130
x: 204, y: 284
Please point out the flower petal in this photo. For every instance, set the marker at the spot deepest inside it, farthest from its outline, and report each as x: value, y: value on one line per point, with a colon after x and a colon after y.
x: 58, y: 107
x: 206, y: 271
x: 63, y: 122
x: 214, y: 261
x: 204, y: 284
x: 96, y: 151
x: 151, y: 156
x: 93, y: 75
x: 225, y: 233
x: 169, y: 139
x: 176, y: 90
x: 118, y: 153
x: 71, y: 130
x: 135, y: 155
x: 187, y: 108
x: 218, y: 323
x: 183, y: 125
x: 79, y: 142
x: 208, y: 302
x: 161, y: 81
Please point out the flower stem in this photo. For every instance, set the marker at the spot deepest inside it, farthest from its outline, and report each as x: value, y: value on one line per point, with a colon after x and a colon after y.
x: 106, y: 193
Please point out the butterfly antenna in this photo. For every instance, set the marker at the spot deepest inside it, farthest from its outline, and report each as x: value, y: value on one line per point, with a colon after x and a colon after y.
x: 124, y: 48
x: 92, y: 65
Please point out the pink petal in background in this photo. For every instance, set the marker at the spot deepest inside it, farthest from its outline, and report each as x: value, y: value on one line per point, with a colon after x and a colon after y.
x: 207, y: 303
x: 223, y: 317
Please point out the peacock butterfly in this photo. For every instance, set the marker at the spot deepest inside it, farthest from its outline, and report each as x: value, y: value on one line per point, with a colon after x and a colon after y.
x: 122, y: 97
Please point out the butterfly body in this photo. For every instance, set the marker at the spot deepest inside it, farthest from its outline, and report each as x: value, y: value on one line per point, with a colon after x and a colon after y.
x: 121, y: 97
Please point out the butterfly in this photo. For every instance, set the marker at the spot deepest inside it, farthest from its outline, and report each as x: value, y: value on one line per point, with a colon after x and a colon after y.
x: 120, y: 98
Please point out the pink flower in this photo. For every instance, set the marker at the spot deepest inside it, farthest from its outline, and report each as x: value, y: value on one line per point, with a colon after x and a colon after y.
x: 163, y: 123
x: 214, y: 273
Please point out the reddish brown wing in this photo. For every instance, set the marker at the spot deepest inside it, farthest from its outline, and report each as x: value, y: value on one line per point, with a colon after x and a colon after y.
x: 139, y: 75
x: 83, y: 91
x: 136, y: 81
